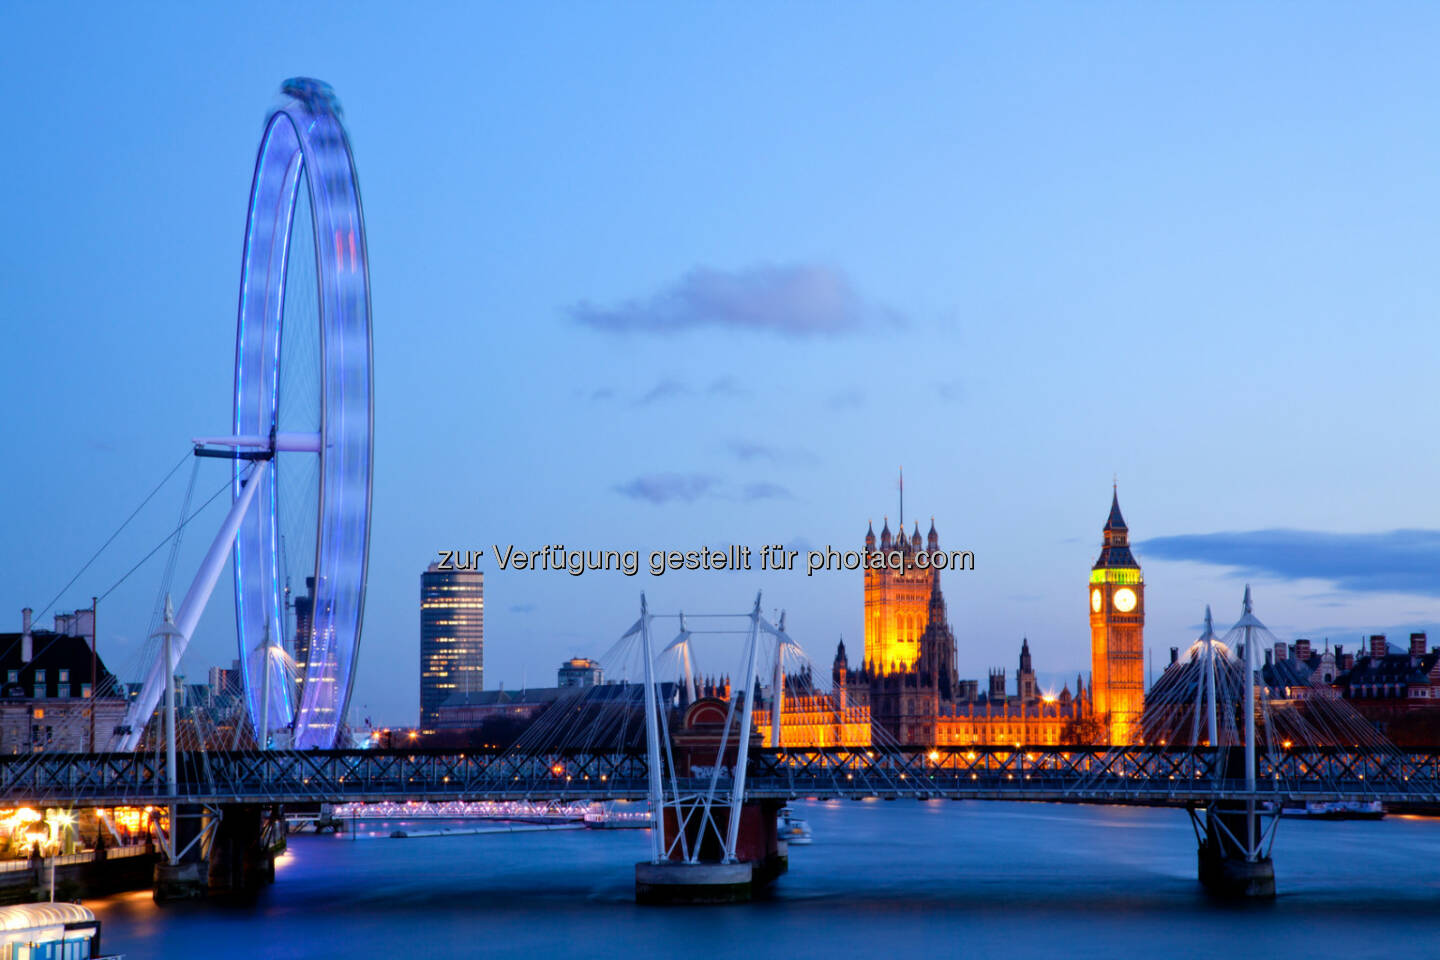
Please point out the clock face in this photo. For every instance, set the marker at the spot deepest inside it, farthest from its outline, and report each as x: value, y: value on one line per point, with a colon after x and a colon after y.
x: 1095, y: 600
x: 1124, y: 599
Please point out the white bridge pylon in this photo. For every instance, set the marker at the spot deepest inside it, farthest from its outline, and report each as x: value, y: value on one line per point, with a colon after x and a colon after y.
x: 783, y: 645
x: 698, y: 808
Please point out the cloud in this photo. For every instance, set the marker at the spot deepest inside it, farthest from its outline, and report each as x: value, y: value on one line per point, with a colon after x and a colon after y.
x: 792, y: 301
x: 750, y: 451
x: 667, y: 487
x: 726, y: 386
x: 766, y: 491
x: 1398, y: 561
x: 664, y: 390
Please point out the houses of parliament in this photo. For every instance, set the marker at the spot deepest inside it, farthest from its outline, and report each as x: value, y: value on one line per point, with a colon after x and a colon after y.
x: 905, y: 678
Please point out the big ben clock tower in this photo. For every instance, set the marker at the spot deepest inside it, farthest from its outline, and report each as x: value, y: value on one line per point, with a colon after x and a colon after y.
x: 1117, y: 632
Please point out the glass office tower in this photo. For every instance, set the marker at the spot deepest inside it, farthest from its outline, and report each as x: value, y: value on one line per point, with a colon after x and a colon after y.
x: 452, y: 638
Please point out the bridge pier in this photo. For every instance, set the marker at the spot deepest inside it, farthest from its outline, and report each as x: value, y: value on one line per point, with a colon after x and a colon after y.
x: 187, y: 877
x: 224, y: 852
x: 242, y: 853
x: 1233, y: 858
x: 760, y: 857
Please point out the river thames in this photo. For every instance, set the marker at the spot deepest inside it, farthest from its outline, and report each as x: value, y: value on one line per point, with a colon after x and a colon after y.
x: 881, y: 879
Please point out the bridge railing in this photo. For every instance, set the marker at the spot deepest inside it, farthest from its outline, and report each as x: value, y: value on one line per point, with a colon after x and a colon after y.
x: 1138, y: 774
x: 1145, y: 774
x: 281, y: 776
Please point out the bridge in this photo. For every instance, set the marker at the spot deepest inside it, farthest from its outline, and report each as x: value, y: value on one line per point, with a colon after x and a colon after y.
x: 1159, y: 776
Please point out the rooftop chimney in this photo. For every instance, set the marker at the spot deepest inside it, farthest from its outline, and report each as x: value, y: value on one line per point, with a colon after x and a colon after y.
x: 1417, y: 645
x: 1282, y: 652
x: 1378, y: 647
x: 1174, y: 654
x: 1302, y: 649
x: 27, y: 642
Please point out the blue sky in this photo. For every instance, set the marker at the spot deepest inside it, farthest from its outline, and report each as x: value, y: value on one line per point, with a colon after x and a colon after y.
x: 657, y: 276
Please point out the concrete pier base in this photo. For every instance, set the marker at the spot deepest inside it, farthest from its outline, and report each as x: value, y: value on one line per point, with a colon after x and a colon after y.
x: 1227, y: 833
x: 1236, y: 878
x: 673, y: 882
x: 181, y: 881
x: 190, y: 878
x: 761, y: 856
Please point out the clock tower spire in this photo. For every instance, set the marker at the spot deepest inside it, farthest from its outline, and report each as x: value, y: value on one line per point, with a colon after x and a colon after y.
x: 1117, y: 631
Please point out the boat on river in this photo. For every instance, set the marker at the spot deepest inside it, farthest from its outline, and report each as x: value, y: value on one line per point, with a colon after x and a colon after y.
x: 792, y: 828
x: 1334, y: 810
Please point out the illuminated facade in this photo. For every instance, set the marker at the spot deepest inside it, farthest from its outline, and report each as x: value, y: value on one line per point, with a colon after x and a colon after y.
x: 908, y: 683
x: 816, y: 719
x: 929, y: 706
x: 897, y: 602
x: 1117, y: 632
x: 452, y: 638
x: 1047, y: 721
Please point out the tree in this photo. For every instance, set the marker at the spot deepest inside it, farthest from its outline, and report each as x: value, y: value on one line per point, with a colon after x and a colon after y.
x: 1087, y: 731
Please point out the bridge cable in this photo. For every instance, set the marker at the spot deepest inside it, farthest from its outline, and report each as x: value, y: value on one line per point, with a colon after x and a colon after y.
x: 96, y: 689
x: 175, y: 533
x: 148, y: 497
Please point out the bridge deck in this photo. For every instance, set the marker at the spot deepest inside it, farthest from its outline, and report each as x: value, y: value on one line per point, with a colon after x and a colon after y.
x: 1149, y: 775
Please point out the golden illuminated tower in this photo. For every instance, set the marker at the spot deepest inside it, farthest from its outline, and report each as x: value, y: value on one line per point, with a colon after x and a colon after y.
x: 1117, y: 632
x: 897, y: 602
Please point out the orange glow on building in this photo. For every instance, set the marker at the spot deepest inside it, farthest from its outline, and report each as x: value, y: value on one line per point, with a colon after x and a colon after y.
x: 1048, y: 722
x: 1117, y: 632
x: 816, y: 720
x: 897, y: 603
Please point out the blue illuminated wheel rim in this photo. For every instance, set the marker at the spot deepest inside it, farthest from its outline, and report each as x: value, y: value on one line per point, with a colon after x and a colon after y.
x: 305, y: 144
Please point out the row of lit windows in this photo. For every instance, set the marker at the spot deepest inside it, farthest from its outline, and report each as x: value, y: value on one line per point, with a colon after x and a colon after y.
x: 14, y: 676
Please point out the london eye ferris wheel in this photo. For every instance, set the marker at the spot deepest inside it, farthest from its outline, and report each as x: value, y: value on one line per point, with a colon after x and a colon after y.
x: 302, y: 398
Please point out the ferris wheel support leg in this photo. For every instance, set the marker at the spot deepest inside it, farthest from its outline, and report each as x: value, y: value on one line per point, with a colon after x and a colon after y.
x: 209, y: 574
x: 190, y: 609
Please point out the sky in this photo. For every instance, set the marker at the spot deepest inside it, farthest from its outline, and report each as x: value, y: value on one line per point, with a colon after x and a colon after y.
x: 657, y: 276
